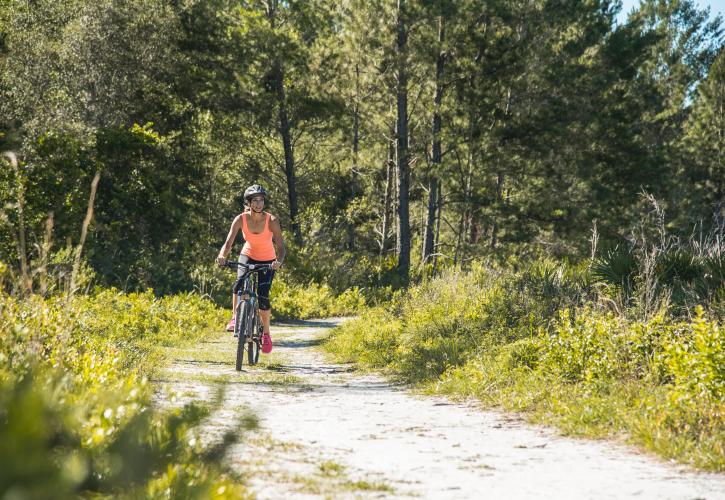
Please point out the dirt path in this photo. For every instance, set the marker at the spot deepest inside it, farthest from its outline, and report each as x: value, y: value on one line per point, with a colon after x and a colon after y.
x: 328, y: 432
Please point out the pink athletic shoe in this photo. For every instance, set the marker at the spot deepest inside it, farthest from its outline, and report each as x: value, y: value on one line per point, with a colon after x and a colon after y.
x: 230, y: 325
x: 266, y: 343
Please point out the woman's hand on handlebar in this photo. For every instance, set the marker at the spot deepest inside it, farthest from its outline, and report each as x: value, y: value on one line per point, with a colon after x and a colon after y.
x: 276, y: 265
x: 221, y: 260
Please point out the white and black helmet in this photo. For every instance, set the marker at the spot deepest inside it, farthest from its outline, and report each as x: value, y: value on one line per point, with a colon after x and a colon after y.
x: 254, y: 190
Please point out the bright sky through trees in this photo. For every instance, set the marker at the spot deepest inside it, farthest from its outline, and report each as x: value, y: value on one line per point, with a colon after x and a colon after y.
x: 716, y: 7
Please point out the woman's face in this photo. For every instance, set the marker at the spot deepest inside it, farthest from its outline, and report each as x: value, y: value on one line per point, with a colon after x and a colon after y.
x: 257, y: 203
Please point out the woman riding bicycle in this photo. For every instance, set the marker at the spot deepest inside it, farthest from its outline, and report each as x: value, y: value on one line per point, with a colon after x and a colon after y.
x: 263, y: 245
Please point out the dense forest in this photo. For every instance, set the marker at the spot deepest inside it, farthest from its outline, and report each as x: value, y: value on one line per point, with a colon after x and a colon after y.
x: 396, y: 138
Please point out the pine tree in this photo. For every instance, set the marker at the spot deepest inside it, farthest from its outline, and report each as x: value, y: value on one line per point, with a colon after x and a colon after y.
x: 704, y: 146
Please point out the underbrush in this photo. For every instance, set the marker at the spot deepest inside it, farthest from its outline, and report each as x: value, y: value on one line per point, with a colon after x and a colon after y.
x: 296, y: 301
x: 291, y: 298
x: 547, y: 340
x: 76, y: 417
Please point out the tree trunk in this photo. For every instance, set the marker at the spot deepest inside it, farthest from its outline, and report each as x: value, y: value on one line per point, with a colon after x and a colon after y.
x: 355, y: 152
x: 436, y: 157
x: 473, y: 229
x: 499, y: 204
x: 285, y: 130
x: 289, y: 161
x: 26, y: 281
x: 466, y: 215
x: 356, y: 131
x: 396, y: 193
x: 402, y: 144
x: 458, y: 256
x: 429, y: 238
x: 499, y: 186
x: 439, y: 205
x: 389, y: 165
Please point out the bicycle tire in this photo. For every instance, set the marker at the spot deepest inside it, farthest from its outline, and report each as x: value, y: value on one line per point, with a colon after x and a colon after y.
x: 253, y: 346
x: 239, y: 330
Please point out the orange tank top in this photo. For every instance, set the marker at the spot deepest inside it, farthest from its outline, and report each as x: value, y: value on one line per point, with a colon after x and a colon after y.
x: 258, y: 246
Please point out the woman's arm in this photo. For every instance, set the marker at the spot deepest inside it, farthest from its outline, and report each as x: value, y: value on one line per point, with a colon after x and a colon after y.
x: 226, y: 248
x: 278, y: 240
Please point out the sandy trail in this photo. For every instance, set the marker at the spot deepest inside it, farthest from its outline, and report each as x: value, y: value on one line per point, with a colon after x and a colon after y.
x: 326, y: 431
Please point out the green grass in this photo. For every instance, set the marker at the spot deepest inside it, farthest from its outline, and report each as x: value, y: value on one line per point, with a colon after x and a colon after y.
x: 330, y: 479
x: 330, y: 468
x: 363, y: 485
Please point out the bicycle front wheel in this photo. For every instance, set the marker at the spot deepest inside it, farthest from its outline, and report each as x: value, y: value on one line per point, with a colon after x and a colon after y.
x: 254, y: 344
x: 239, y: 331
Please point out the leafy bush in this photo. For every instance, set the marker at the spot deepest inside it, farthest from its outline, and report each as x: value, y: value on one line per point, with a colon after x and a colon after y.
x: 75, y: 408
x: 371, y: 339
x: 522, y: 354
x: 296, y: 301
x: 290, y: 299
x: 447, y: 320
x: 697, y: 361
x: 616, y: 268
x: 129, y: 451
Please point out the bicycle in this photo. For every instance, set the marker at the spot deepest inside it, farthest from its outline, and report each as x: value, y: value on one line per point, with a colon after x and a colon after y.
x: 248, y: 327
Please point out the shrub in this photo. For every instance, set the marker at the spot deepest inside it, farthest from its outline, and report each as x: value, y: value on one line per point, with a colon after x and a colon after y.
x: 296, y: 301
x: 697, y: 360
x: 75, y: 410
x: 616, y: 268
x: 447, y: 320
x: 522, y: 354
x: 371, y: 339
x: 126, y: 450
x: 662, y: 272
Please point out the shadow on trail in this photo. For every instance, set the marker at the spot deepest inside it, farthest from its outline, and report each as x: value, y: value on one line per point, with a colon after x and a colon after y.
x: 319, y: 323
x: 321, y: 387
x: 310, y: 369
x: 203, y: 362
x: 296, y: 344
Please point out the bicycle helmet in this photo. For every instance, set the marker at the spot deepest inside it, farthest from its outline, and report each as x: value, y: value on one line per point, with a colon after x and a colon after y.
x: 254, y: 190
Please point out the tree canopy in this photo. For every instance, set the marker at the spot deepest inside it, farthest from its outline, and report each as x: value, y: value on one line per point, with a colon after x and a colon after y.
x: 395, y: 137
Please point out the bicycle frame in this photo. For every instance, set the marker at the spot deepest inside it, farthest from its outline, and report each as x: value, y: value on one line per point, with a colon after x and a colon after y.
x: 248, y: 325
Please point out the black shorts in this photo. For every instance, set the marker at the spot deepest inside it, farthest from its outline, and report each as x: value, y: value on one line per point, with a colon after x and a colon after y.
x: 264, y: 283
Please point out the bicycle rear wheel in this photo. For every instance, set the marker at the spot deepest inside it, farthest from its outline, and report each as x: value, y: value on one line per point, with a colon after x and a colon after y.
x: 239, y: 331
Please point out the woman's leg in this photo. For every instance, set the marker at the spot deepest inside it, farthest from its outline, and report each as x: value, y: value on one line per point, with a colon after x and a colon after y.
x: 230, y: 325
x: 263, y: 288
x: 265, y: 314
x: 265, y: 308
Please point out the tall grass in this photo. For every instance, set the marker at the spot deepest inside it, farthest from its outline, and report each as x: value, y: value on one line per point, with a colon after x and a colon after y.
x: 657, y: 271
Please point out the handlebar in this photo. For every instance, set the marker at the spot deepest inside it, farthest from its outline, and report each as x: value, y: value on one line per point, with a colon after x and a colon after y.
x: 233, y: 264
x: 248, y: 269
